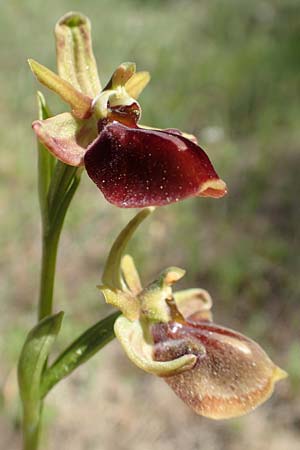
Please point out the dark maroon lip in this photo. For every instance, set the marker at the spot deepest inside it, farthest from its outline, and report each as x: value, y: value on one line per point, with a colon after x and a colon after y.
x: 136, y: 167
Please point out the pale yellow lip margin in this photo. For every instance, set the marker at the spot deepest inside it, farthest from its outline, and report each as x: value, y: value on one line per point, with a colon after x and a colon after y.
x: 216, y: 185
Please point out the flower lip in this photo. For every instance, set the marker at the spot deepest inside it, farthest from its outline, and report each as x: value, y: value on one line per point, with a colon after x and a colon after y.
x: 230, y: 378
x: 137, y: 167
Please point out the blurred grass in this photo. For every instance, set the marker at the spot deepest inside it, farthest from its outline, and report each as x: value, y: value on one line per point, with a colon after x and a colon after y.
x: 229, y: 72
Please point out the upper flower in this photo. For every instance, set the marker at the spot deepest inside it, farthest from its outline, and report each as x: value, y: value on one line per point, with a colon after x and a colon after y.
x: 133, y: 165
x: 216, y: 371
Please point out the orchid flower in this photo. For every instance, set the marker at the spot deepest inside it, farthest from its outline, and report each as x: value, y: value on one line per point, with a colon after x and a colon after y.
x: 217, y: 372
x: 133, y: 165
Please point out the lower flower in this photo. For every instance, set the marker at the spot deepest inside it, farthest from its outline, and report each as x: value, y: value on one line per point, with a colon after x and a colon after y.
x: 216, y: 371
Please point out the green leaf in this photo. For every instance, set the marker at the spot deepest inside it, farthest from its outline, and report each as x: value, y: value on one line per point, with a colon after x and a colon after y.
x: 46, y: 161
x: 82, y: 349
x: 64, y: 183
x: 60, y: 182
x: 63, y: 203
x: 34, y: 356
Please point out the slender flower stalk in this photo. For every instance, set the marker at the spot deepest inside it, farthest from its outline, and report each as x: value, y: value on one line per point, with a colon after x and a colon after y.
x: 31, y: 426
x: 47, y: 278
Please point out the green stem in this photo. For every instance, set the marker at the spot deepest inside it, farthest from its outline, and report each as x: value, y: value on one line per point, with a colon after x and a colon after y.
x: 49, y: 253
x: 32, y: 416
x: 51, y: 234
x: 32, y: 411
x: 57, y: 184
x: 52, y: 226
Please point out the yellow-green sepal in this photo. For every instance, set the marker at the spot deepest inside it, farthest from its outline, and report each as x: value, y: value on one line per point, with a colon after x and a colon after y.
x: 75, y: 58
x: 80, y: 103
x: 137, y: 83
x: 112, y: 274
x: 124, y: 301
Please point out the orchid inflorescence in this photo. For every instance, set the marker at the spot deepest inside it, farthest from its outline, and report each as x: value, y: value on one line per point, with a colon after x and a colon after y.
x: 216, y: 371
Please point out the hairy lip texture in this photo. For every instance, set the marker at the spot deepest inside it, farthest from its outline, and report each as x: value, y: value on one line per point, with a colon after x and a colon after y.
x: 136, y: 167
x: 232, y: 374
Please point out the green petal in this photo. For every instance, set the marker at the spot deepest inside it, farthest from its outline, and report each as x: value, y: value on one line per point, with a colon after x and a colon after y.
x: 130, y: 334
x: 137, y: 83
x: 75, y: 58
x: 121, y: 75
x: 66, y: 137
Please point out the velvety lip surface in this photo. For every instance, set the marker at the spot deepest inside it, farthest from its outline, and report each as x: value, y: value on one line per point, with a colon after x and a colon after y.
x: 232, y: 374
x: 136, y: 167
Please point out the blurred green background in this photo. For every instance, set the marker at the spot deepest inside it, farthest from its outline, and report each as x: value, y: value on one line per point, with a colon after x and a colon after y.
x: 229, y: 72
